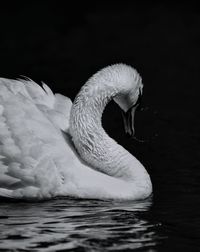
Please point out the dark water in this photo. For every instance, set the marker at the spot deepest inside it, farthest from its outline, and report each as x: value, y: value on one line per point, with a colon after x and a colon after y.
x: 64, y: 46
x: 74, y: 225
x: 90, y: 225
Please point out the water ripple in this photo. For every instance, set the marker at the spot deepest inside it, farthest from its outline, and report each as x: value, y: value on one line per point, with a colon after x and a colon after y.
x: 77, y: 225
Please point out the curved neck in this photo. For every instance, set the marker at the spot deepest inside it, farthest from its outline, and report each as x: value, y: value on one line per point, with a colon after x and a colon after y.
x: 91, y: 141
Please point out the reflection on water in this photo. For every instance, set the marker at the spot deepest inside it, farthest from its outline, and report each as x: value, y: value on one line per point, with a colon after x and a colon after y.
x: 77, y: 225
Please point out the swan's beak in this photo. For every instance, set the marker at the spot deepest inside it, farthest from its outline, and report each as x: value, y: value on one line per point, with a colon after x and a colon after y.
x: 128, y: 118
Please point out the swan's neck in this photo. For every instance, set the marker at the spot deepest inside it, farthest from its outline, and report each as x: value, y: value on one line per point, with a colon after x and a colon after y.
x: 93, y: 144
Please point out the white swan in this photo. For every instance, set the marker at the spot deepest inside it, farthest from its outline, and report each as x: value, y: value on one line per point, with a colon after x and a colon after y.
x: 37, y: 156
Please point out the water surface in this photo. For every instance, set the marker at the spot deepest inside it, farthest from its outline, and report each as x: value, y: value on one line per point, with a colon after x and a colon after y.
x: 78, y: 225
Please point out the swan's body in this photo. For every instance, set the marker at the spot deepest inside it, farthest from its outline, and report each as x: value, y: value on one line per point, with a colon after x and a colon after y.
x: 37, y: 157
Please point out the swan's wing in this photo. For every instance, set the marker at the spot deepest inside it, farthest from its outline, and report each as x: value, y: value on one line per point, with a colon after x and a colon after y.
x: 56, y: 107
x: 31, y: 146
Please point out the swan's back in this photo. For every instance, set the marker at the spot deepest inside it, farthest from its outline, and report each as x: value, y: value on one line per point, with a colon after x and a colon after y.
x: 31, y: 140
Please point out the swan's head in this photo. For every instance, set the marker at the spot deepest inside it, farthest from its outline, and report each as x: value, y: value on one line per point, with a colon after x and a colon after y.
x: 127, y: 83
x: 123, y: 84
x: 130, y: 88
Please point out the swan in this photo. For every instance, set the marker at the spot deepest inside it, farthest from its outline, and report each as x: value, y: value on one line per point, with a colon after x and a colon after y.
x: 50, y: 147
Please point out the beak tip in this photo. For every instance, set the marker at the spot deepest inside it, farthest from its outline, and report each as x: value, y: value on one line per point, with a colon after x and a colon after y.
x: 130, y: 134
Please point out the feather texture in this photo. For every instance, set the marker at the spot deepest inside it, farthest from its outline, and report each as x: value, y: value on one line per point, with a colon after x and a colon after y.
x: 29, y: 120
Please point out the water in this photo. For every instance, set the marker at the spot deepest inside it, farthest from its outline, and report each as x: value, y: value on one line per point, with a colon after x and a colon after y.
x: 78, y: 225
x: 91, y: 225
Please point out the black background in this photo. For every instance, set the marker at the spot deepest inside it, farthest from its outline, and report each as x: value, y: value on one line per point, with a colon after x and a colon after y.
x: 64, y: 44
